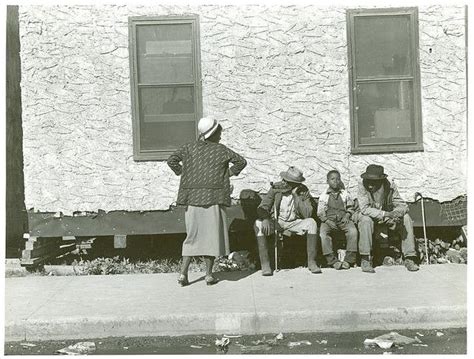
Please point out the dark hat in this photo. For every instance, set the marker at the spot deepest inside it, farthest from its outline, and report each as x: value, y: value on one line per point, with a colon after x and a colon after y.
x: 374, y: 172
x: 293, y: 175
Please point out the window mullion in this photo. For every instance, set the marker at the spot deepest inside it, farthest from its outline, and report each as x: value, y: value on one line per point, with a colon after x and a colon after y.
x: 385, y: 79
x: 178, y: 84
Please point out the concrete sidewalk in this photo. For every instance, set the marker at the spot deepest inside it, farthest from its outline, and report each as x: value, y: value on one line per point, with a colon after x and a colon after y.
x: 40, y: 308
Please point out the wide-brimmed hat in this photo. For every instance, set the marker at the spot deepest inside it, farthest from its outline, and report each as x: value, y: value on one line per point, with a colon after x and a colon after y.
x: 374, y: 172
x: 293, y: 174
x: 207, y: 126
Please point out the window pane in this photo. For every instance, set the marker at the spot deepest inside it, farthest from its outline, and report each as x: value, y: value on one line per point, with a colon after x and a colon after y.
x: 385, y: 112
x: 161, y: 104
x: 166, y: 135
x: 167, y: 117
x: 164, y: 53
x: 382, y: 46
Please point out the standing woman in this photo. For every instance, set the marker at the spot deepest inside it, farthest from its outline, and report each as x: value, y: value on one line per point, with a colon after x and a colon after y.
x: 205, y: 190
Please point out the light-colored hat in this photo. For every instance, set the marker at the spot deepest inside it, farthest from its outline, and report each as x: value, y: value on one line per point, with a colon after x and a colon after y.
x: 207, y: 126
x: 293, y: 174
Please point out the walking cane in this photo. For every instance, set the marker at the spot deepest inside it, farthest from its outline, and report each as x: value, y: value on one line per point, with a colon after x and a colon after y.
x: 276, y: 235
x: 418, y: 194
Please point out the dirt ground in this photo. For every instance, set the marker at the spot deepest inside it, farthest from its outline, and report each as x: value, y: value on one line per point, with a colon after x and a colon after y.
x: 441, y: 341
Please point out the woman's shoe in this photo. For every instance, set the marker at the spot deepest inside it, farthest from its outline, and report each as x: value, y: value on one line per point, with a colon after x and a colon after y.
x: 183, y: 280
x: 210, y: 280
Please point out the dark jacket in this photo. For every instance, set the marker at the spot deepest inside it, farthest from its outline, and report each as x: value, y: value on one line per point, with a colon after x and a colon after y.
x: 204, y: 170
x: 305, y: 208
x: 392, y: 201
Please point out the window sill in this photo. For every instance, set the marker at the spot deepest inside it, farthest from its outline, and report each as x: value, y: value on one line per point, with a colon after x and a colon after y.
x: 385, y: 149
x: 152, y: 156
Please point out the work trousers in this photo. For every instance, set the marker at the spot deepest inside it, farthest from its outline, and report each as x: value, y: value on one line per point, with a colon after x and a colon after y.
x: 349, y: 230
x: 404, y: 229
x: 298, y: 226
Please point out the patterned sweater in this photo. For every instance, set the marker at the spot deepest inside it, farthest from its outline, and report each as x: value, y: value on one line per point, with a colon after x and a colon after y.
x: 205, y: 172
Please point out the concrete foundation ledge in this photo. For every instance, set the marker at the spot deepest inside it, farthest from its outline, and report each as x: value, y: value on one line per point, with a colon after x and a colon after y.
x: 238, y: 323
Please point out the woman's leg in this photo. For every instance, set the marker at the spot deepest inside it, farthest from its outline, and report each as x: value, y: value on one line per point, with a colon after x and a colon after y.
x: 209, y: 264
x: 185, y: 265
x: 183, y: 275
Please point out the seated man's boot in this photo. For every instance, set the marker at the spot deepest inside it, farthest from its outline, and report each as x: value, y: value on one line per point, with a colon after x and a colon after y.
x: 349, y: 260
x: 411, y: 265
x: 311, y: 252
x: 366, y: 265
x: 264, y: 258
x: 332, y: 261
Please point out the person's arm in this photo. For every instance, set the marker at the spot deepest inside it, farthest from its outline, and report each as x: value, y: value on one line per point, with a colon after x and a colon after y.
x: 264, y: 210
x: 306, y: 204
x: 238, y: 163
x: 322, y: 206
x: 400, y: 208
x: 364, y: 204
x: 350, y: 206
x: 175, y: 159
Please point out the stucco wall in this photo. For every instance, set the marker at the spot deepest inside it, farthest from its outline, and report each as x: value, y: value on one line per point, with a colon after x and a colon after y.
x: 277, y: 77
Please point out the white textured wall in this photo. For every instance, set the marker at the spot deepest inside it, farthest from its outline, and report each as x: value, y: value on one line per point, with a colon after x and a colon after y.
x: 277, y: 77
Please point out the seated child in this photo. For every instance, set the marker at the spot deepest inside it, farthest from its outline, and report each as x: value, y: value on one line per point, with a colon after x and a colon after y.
x: 335, y: 209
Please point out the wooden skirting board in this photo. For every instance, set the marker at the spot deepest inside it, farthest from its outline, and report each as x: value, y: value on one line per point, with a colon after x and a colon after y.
x: 51, y: 234
x: 113, y: 223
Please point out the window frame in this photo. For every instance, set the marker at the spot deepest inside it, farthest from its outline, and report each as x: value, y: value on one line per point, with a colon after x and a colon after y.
x: 133, y: 22
x: 417, y: 144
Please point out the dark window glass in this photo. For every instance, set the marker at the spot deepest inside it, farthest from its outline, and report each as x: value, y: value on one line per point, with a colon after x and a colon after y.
x: 165, y: 53
x: 382, y: 46
x: 385, y: 112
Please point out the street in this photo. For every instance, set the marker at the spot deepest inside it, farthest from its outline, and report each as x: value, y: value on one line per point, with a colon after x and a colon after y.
x: 441, y: 341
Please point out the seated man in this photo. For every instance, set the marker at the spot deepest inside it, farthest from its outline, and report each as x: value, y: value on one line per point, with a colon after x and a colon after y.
x: 294, y: 209
x: 381, y: 205
x: 335, y: 209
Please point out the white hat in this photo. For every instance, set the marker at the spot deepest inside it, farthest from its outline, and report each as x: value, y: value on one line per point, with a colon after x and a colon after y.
x: 207, y: 126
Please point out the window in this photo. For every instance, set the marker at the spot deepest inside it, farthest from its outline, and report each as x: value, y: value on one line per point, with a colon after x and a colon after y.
x: 165, y: 84
x: 384, y: 80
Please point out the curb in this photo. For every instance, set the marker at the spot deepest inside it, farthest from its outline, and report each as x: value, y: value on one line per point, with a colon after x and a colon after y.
x: 244, y: 323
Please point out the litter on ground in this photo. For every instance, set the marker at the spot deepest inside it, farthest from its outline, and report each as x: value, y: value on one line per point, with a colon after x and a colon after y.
x: 222, y: 344
x: 255, y: 348
x: 439, y: 334
x: 381, y: 343
x: 324, y: 341
x: 196, y: 346
x: 28, y: 345
x: 299, y: 343
x: 273, y: 341
x: 420, y: 345
x: 80, y: 348
x: 231, y: 336
x: 396, y: 339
